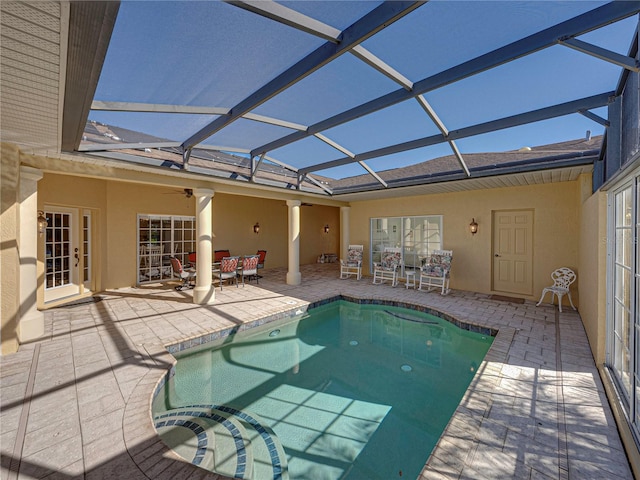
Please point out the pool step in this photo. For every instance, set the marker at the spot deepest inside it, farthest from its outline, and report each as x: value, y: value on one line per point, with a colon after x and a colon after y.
x: 225, y: 440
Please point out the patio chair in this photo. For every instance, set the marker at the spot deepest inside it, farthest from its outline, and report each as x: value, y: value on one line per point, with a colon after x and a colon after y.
x: 388, y: 266
x: 353, y: 264
x: 262, y: 254
x: 187, y: 276
x: 435, y: 272
x: 218, y: 255
x: 562, y: 279
x: 228, y: 270
x: 250, y: 267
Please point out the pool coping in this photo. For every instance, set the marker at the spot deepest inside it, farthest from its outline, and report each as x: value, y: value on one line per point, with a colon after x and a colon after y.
x: 152, y: 455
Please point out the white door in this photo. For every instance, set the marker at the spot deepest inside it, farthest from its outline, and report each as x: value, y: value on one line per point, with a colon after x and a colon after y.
x: 62, y: 254
x: 513, y: 251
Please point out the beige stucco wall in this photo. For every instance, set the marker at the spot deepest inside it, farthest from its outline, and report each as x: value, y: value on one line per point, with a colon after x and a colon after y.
x: 555, y: 231
x: 9, y: 251
x: 593, y: 265
x: 116, y: 205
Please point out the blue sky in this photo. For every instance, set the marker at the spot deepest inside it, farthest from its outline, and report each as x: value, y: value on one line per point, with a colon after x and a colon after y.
x: 213, y: 54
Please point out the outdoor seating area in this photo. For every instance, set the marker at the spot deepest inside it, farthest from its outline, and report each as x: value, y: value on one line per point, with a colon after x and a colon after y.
x: 105, y: 339
x: 225, y: 268
x: 348, y: 140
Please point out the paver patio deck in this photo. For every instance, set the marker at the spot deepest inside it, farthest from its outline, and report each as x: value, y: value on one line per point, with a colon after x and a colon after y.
x: 76, y: 404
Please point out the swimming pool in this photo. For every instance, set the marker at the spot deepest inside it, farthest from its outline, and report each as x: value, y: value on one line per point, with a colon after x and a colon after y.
x: 348, y: 391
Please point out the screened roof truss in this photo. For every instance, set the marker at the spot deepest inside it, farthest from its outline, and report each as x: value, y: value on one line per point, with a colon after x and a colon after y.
x: 336, y: 43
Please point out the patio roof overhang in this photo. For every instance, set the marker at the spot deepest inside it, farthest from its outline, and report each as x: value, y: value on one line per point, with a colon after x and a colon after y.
x: 402, y: 97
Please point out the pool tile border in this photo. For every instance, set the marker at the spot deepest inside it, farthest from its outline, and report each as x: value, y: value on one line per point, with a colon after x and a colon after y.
x: 496, y: 353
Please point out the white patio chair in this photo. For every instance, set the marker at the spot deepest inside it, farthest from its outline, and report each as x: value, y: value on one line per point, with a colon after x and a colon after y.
x: 562, y: 279
x: 436, y: 271
x: 388, y: 266
x: 353, y: 264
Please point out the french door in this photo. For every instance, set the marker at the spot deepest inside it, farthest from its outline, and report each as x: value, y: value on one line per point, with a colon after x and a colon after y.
x: 62, y: 254
x: 623, y: 325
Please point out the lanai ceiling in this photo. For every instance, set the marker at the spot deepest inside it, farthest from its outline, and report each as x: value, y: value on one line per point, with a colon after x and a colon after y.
x: 333, y: 97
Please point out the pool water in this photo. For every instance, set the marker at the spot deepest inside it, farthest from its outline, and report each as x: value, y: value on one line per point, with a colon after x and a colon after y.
x: 348, y: 391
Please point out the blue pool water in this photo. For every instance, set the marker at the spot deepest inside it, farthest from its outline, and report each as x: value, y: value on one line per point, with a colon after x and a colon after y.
x: 346, y: 392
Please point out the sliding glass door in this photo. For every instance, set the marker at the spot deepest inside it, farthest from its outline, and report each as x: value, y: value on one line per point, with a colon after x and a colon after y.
x: 417, y: 236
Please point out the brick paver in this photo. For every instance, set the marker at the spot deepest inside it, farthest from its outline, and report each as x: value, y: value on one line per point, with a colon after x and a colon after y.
x: 76, y: 404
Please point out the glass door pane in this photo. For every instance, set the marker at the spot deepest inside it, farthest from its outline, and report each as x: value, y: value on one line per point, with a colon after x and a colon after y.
x: 160, y: 237
x: 61, y: 254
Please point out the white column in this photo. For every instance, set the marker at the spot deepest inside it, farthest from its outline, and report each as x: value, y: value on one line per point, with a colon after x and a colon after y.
x: 204, y: 293
x: 31, y: 322
x: 344, y: 231
x: 293, y: 274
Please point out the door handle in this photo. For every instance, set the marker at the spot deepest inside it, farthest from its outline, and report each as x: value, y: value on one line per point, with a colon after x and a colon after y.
x: 497, y: 255
x: 77, y: 257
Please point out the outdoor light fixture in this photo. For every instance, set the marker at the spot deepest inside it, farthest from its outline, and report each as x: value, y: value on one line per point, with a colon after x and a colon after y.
x: 256, y: 228
x: 42, y: 222
x: 473, y: 226
x: 326, y: 228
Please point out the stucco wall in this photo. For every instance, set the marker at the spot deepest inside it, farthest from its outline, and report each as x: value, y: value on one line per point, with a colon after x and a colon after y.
x: 117, y: 204
x: 593, y: 265
x: 555, y: 230
x: 9, y: 257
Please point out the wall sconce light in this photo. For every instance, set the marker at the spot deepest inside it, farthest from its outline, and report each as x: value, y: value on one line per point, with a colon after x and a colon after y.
x: 256, y: 228
x: 326, y: 228
x: 42, y: 222
x: 473, y: 226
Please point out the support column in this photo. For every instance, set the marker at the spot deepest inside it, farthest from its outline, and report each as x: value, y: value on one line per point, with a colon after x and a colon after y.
x: 293, y: 274
x: 344, y: 231
x: 31, y: 322
x: 204, y: 293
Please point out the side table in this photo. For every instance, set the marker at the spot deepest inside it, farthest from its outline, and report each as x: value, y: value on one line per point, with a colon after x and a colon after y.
x: 410, y: 281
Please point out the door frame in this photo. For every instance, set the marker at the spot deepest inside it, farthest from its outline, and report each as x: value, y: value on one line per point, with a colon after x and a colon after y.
x: 78, y: 288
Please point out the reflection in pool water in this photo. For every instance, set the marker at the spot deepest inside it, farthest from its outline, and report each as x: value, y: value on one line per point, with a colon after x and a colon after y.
x: 349, y: 391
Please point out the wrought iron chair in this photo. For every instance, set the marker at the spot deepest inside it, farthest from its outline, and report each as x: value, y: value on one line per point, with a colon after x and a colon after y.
x: 353, y: 264
x: 250, y: 267
x: 186, y: 275
x: 562, y: 279
x: 263, y: 255
x: 388, y: 266
x: 228, y: 270
x: 435, y: 272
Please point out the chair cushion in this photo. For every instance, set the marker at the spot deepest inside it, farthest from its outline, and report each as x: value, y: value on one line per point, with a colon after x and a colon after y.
x: 354, y: 257
x: 390, y: 260
x: 250, y: 265
x: 229, y: 264
x: 438, y: 266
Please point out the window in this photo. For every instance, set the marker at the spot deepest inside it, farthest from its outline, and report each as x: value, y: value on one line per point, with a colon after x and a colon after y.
x: 417, y: 236
x: 623, y: 326
x: 160, y: 237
